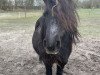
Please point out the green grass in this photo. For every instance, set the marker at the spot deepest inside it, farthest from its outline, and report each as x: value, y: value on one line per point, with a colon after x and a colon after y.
x: 90, y: 31
x: 89, y: 25
x: 16, y: 20
x: 19, y: 16
x: 89, y: 13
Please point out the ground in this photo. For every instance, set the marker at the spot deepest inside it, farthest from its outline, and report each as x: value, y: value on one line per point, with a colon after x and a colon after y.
x: 17, y: 57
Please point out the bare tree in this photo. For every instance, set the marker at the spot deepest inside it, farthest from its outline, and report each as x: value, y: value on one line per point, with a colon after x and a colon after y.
x: 39, y: 4
x: 89, y: 4
x: 3, y: 4
x: 29, y: 4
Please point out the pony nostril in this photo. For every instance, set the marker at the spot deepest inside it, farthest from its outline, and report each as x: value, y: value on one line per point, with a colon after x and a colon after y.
x: 44, y: 43
x: 50, y: 48
x: 57, y: 43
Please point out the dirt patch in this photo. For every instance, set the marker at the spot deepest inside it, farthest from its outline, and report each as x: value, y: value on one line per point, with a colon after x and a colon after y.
x: 17, y: 56
x: 85, y: 58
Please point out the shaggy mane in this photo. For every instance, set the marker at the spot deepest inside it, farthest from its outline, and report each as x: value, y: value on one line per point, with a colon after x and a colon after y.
x: 65, y: 11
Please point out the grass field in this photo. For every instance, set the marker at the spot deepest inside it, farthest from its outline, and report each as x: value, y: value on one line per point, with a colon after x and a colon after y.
x: 17, y: 57
x: 89, y: 24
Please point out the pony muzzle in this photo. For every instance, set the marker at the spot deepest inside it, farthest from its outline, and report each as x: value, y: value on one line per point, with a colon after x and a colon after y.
x: 52, y: 52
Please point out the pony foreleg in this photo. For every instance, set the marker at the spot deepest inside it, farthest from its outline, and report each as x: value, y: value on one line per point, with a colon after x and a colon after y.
x: 48, y: 69
x: 60, y: 69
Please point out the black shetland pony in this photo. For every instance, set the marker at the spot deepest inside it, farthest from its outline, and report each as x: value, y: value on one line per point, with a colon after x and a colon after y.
x: 55, y: 32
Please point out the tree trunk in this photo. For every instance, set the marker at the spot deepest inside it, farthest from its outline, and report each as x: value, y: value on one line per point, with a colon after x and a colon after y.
x: 25, y: 11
